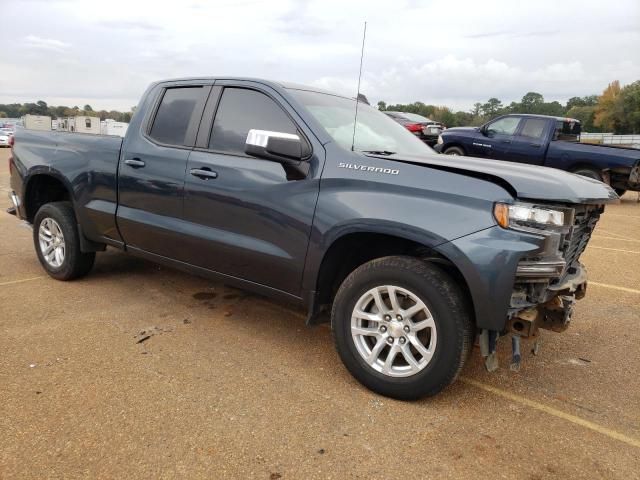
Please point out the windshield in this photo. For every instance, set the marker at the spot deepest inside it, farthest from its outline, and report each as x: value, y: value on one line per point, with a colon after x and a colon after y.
x: 375, y: 132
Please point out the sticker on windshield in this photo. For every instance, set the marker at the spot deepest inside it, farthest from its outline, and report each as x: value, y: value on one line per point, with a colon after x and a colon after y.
x: 367, y: 168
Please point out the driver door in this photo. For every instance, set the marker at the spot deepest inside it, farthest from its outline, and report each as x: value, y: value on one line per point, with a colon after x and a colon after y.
x: 248, y: 217
x: 496, y: 138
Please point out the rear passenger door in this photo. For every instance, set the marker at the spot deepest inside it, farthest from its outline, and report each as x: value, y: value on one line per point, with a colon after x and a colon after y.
x: 152, y: 168
x: 529, y: 144
x: 248, y: 217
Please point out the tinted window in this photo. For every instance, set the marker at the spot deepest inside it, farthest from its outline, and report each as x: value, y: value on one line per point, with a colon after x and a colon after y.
x: 533, y: 127
x: 241, y: 110
x: 505, y: 126
x: 567, y: 130
x: 174, y: 114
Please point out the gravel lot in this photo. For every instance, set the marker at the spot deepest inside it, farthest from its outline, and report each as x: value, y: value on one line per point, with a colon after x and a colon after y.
x: 230, y: 385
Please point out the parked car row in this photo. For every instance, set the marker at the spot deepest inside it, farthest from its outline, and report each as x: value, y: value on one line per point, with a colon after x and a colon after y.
x: 424, y: 128
x: 6, y: 132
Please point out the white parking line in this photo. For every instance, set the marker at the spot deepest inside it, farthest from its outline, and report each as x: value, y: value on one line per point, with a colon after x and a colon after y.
x: 614, y: 287
x: 596, y: 237
x: 553, y: 411
x: 614, y: 249
x: 637, y: 217
x: 13, y: 282
x: 613, y: 234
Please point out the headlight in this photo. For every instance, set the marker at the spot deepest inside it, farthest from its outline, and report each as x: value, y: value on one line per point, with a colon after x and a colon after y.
x: 440, y: 141
x: 523, y: 215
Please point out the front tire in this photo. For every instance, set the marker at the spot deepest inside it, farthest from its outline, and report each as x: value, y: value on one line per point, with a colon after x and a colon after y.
x: 57, y: 242
x: 402, y: 327
x: 455, y: 151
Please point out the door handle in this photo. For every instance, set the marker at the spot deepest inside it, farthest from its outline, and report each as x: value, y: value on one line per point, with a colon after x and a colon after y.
x: 204, y: 173
x: 534, y: 145
x: 506, y: 141
x: 134, y: 162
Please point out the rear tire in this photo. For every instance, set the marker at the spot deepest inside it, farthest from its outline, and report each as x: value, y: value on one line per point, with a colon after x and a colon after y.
x: 438, y: 337
x: 456, y: 151
x: 57, y: 242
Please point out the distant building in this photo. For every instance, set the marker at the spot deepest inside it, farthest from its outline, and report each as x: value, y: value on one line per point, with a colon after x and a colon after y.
x: 111, y: 127
x: 80, y: 124
x: 36, y: 122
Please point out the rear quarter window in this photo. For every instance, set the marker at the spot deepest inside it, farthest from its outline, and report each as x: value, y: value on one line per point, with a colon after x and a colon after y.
x: 175, y: 114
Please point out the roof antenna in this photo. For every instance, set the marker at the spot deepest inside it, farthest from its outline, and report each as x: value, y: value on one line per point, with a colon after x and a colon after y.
x: 355, y: 118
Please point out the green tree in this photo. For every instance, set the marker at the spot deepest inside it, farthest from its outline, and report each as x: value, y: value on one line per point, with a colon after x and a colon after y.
x: 586, y: 115
x: 492, y: 108
x: 531, y: 102
x: 609, y: 110
x: 381, y: 106
x: 629, y: 101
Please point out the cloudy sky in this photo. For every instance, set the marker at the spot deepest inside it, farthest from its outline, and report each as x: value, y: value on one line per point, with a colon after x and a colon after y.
x: 444, y: 52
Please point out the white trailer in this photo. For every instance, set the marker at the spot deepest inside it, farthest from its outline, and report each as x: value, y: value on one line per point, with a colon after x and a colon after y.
x: 81, y: 124
x: 111, y: 127
x: 37, y: 122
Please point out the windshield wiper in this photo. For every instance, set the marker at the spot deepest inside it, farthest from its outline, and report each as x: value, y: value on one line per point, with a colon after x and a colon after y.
x: 378, y: 152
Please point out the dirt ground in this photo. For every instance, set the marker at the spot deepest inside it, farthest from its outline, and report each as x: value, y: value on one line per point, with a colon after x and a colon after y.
x: 231, y: 385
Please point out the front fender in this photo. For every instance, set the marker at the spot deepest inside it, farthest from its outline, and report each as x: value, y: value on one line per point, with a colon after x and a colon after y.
x: 488, y: 260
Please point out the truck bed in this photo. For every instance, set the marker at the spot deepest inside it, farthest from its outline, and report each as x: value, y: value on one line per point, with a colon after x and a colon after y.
x: 90, y: 163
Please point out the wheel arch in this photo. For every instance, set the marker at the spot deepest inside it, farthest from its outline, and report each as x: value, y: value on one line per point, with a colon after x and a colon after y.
x: 43, y: 187
x: 583, y: 164
x: 353, y: 248
x: 456, y: 144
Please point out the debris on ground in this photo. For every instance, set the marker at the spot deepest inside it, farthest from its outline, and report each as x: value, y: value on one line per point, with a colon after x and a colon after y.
x: 149, y: 332
x: 204, y: 295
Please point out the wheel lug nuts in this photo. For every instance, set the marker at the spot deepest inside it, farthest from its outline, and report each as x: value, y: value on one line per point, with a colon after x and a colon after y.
x: 399, y: 317
x: 403, y: 340
x: 406, y: 328
x: 383, y: 329
x: 387, y: 317
x: 390, y: 340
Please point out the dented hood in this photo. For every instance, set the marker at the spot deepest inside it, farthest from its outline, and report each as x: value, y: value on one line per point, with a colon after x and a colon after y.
x: 524, y: 181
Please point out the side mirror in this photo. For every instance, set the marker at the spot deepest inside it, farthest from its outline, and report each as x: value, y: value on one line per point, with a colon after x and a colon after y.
x: 285, y: 148
x: 484, y: 130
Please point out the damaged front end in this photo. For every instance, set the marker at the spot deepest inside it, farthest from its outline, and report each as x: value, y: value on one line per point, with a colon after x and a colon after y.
x: 549, y: 282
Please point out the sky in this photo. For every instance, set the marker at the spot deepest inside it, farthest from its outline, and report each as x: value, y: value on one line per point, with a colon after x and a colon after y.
x: 444, y: 52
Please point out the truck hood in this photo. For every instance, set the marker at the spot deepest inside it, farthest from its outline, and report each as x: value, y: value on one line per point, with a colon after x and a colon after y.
x: 460, y: 129
x: 526, y: 182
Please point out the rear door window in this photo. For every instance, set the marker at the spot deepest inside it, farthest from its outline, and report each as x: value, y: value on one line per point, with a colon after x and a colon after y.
x: 533, y: 128
x: 241, y: 110
x: 177, y: 112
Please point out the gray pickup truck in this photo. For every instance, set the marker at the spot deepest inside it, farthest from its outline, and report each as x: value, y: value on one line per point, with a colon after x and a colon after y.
x: 268, y: 187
